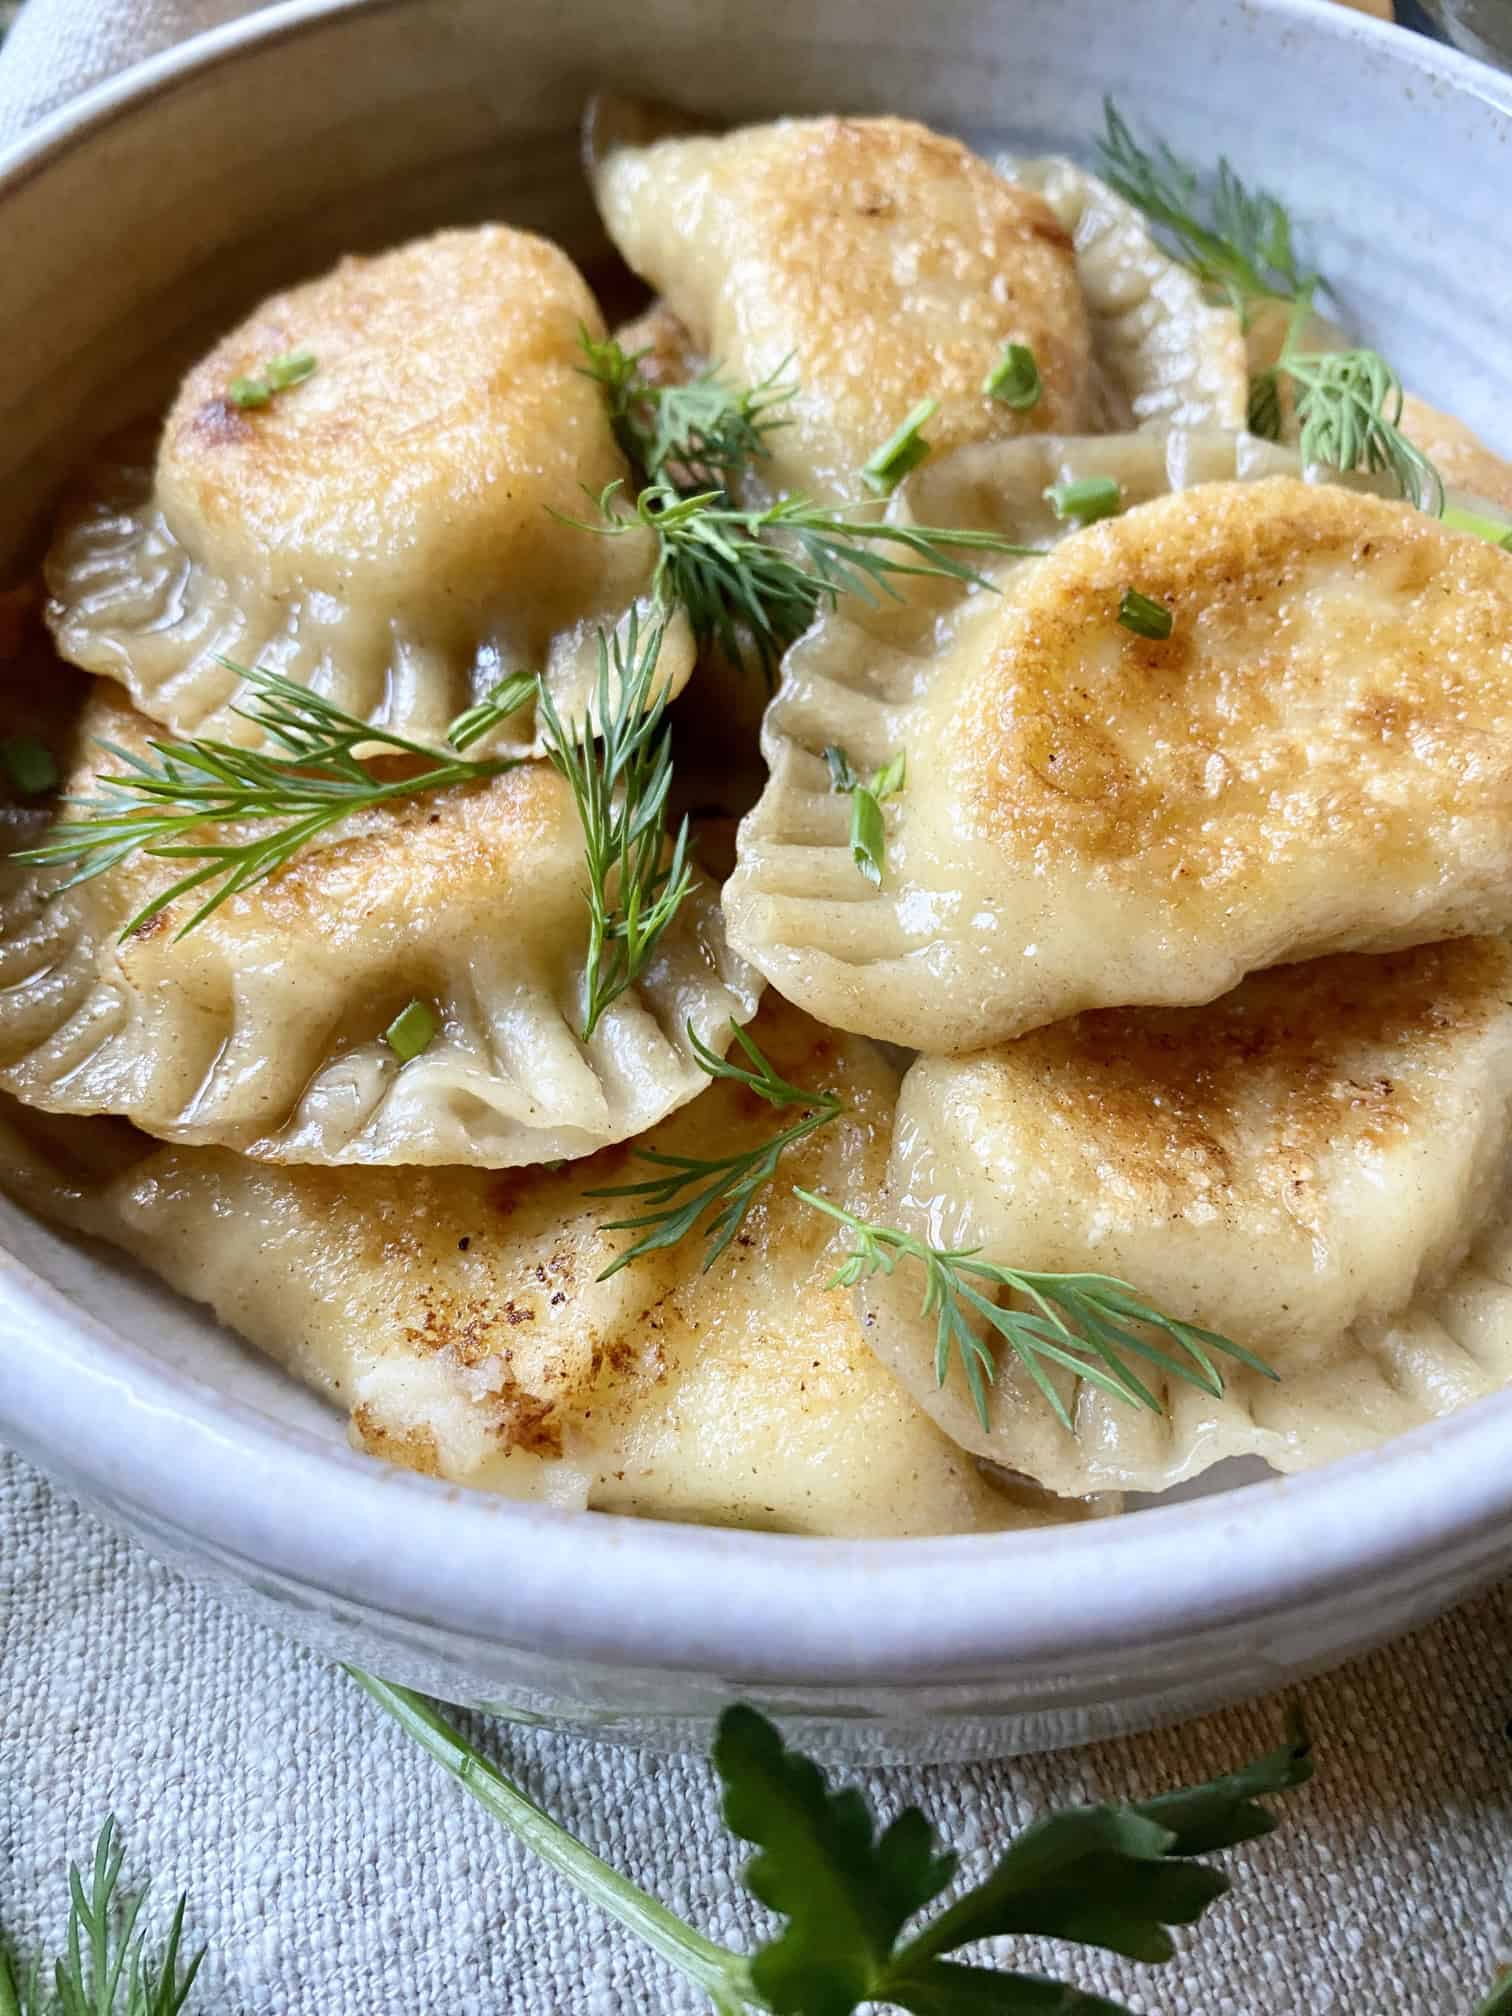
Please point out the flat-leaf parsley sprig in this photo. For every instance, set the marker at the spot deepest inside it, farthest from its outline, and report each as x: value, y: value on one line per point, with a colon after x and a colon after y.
x: 701, y: 435
x: 106, y: 1969
x: 728, y: 1185
x: 1113, y: 1876
x: 1079, y: 1322
x: 1348, y: 402
x: 868, y: 828
x: 617, y: 760
x: 159, y: 805
x: 759, y: 577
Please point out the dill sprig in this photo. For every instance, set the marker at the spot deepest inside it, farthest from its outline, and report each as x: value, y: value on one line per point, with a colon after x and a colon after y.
x: 106, y: 1970
x: 1348, y: 402
x: 1077, y: 1321
x: 157, y: 805
x: 758, y: 578
x: 617, y: 758
x: 1349, y: 408
x: 1243, y: 247
x: 701, y: 435
x: 728, y: 1184
x: 868, y: 827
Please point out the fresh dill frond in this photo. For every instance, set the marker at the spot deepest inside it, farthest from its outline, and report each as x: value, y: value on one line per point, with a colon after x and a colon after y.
x: 277, y: 375
x: 1238, y: 241
x: 157, y: 805
x: 617, y: 759
x: 756, y: 579
x: 106, y: 1969
x: 702, y: 435
x: 868, y: 827
x: 1077, y: 1321
x: 1349, y: 407
x: 494, y: 709
x: 728, y: 1185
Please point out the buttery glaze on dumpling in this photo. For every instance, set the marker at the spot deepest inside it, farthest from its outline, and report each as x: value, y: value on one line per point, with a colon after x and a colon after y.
x: 1300, y: 1166
x: 262, y: 1029
x: 458, y: 1317
x: 383, y: 531
x: 1166, y: 355
x: 871, y: 261
x: 1319, y: 758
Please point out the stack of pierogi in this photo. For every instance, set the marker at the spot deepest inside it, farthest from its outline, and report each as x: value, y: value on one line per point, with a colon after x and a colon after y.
x: 1185, y: 966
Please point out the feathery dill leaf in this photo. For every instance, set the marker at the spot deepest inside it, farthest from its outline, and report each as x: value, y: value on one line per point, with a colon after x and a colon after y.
x: 757, y: 578
x: 617, y: 759
x: 728, y: 1185
x: 701, y: 435
x: 1076, y: 1321
x: 156, y: 805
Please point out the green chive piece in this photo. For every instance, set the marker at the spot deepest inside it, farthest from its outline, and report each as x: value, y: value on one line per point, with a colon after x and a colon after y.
x: 889, y: 780
x: 868, y: 835
x: 842, y: 775
x: 277, y: 375
x: 412, y: 1030
x: 1144, y: 616
x: 1496, y: 530
x: 29, y: 765
x: 1014, y: 379
x: 903, y: 451
x: 1087, y: 499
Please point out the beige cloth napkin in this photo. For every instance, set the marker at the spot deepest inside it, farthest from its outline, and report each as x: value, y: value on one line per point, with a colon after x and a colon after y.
x: 335, y: 1871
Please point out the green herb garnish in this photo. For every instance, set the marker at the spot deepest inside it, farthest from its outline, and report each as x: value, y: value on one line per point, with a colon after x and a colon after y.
x: 1113, y: 1876
x: 412, y: 1030
x: 903, y: 450
x: 618, y: 761
x: 1145, y: 616
x: 494, y: 709
x: 868, y: 828
x: 727, y: 1185
x: 1077, y: 1321
x: 277, y: 375
x: 1086, y: 499
x: 756, y: 579
x: 107, y: 1969
x: 1015, y: 378
x: 702, y: 435
x: 1348, y: 402
x: 29, y: 765
x: 156, y: 805
x: 1495, y: 531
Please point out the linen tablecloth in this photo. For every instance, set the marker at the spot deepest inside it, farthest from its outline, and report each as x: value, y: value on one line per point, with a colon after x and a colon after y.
x: 334, y: 1870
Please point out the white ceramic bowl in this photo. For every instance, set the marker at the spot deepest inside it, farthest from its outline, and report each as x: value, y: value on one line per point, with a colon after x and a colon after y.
x: 137, y: 221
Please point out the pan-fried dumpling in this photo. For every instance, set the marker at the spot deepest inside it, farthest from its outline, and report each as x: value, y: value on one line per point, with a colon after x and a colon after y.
x: 383, y: 531
x: 262, y: 1029
x: 872, y: 261
x: 1318, y: 758
x: 458, y: 1318
x: 1300, y: 1166
x: 1166, y: 355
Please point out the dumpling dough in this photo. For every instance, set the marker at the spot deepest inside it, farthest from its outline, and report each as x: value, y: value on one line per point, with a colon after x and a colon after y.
x: 1166, y: 356
x: 872, y: 261
x: 1300, y: 1166
x: 262, y: 1029
x: 382, y: 532
x: 1319, y: 758
x: 458, y: 1317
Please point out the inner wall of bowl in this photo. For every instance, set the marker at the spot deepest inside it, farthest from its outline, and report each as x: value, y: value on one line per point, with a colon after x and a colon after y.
x: 126, y: 253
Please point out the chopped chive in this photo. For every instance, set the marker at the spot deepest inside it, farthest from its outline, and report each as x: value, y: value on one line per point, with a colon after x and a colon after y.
x: 903, y: 451
x: 277, y: 375
x: 1496, y: 530
x: 412, y: 1030
x: 1014, y: 378
x: 29, y: 765
x: 842, y: 776
x: 868, y: 828
x: 1144, y: 616
x: 1087, y: 499
x: 889, y: 780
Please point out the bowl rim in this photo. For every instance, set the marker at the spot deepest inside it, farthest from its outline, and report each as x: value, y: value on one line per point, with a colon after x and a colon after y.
x: 161, y: 1445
